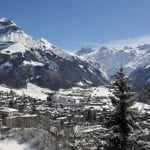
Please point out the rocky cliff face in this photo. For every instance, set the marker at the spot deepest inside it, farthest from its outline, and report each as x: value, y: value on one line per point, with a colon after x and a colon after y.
x: 141, y: 77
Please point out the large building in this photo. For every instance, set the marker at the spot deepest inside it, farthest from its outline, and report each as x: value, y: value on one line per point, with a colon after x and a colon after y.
x: 7, y: 112
x: 11, y: 118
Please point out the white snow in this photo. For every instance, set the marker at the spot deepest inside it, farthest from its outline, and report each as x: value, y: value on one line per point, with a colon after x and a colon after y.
x: 4, y: 20
x: 112, y: 58
x: 142, y: 107
x: 89, y: 82
x: 81, y: 66
x: 7, y: 20
x: 89, y: 128
x: 14, y: 48
x: 31, y: 90
x: 28, y: 42
x: 147, y: 66
x: 36, y: 91
x: 101, y: 91
x: 6, y: 109
x: 33, y: 63
x: 91, y: 70
x: 23, y: 42
x: 63, y: 53
x: 80, y: 83
x: 11, y: 144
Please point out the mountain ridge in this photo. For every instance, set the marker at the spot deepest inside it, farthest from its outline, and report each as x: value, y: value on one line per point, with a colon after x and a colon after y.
x: 129, y: 57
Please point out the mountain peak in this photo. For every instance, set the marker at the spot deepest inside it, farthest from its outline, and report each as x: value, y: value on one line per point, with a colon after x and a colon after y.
x: 6, y: 21
x: 9, y: 31
x: 84, y: 50
x: 7, y: 25
x: 103, y: 48
x: 26, y: 59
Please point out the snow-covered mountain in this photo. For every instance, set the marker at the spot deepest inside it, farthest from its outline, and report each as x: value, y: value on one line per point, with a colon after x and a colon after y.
x: 24, y: 59
x: 112, y: 58
x: 83, y: 51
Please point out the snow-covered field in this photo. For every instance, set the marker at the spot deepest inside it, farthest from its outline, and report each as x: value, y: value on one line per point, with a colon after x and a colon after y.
x: 11, y: 144
x: 31, y: 90
x: 101, y: 91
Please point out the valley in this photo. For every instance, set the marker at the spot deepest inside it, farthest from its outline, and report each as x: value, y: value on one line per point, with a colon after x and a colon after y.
x: 52, y: 99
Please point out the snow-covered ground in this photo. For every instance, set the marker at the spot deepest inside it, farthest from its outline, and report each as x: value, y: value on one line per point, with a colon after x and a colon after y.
x: 42, y: 93
x: 101, y: 91
x: 142, y: 107
x: 31, y: 90
x: 11, y: 144
x: 33, y: 63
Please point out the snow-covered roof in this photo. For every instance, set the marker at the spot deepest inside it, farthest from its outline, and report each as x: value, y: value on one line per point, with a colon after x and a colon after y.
x: 7, y: 109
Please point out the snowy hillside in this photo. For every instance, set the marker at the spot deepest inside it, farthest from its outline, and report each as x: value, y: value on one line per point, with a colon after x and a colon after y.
x: 32, y: 90
x: 8, y: 144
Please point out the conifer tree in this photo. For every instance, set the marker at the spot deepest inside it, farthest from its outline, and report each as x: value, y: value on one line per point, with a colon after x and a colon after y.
x: 121, y: 121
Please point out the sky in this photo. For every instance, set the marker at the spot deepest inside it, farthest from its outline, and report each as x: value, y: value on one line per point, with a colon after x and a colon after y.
x: 72, y: 24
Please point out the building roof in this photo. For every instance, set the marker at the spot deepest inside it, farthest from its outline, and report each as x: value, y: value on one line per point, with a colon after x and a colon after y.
x: 7, y: 109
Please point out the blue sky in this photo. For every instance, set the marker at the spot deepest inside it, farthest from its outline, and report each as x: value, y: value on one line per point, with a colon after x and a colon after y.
x: 71, y: 24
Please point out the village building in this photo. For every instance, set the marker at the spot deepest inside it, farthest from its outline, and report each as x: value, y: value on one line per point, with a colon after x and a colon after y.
x: 11, y: 118
x: 26, y: 120
x: 7, y: 112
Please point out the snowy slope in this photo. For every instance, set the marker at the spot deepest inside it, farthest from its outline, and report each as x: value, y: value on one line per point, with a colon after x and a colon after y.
x: 8, y: 144
x: 32, y: 90
x: 14, y: 48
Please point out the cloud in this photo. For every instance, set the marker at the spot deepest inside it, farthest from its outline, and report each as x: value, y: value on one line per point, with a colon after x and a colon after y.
x: 131, y: 42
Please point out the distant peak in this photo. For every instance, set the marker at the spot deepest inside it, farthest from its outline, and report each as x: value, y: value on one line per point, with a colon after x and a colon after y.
x: 7, y: 24
x: 103, y: 48
x: 127, y: 47
x: 143, y: 47
x: 6, y: 21
x: 84, y: 50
